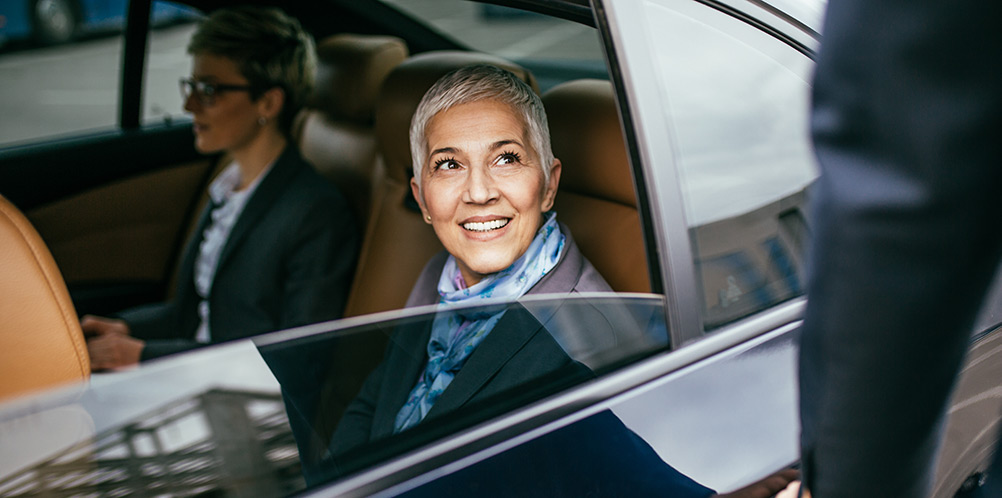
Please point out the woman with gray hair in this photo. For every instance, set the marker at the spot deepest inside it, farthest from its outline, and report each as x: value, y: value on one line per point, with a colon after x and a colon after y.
x: 485, y: 179
x: 275, y: 246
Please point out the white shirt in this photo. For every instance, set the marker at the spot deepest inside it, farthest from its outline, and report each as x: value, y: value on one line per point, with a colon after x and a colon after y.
x: 229, y: 204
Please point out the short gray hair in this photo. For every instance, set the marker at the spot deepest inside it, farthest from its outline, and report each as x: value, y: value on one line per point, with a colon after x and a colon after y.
x: 270, y: 49
x: 477, y: 83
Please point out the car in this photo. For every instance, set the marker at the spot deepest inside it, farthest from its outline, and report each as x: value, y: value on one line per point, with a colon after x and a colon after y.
x: 59, y: 21
x: 683, y: 129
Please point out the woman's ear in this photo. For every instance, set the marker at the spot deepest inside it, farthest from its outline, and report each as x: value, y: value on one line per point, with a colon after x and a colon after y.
x: 551, y: 187
x: 271, y: 102
x: 416, y: 192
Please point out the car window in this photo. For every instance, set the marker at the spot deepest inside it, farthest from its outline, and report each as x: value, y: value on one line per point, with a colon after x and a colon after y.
x: 167, y: 61
x: 60, y: 67
x: 42, y: 48
x: 348, y: 407
x: 736, y: 100
x: 237, y: 417
x: 555, y: 50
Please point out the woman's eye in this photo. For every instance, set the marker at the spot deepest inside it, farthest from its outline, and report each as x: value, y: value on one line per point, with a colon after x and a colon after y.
x: 446, y: 164
x: 508, y: 158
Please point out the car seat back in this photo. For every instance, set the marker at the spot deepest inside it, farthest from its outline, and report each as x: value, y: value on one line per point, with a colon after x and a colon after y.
x: 41, y: 344
x: 596, y: 199
x: 335, y: 130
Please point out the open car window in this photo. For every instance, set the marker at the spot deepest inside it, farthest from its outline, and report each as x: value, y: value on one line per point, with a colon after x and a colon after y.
x: 241, y: 416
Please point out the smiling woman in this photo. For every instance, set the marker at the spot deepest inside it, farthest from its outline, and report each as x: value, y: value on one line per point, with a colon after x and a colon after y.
x: 485, y: 179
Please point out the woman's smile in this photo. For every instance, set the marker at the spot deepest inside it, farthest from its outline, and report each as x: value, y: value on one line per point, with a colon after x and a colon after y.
x: 486, y: 226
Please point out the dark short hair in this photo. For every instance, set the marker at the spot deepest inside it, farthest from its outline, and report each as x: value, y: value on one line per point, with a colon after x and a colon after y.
x: 270, y: 49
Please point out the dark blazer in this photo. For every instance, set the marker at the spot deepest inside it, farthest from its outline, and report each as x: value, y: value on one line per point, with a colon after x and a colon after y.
x: 906, y: 117
x: 288, y: 261
x: 518, y: 350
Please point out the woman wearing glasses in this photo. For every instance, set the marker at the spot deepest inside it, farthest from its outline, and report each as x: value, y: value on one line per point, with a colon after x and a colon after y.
x: 276, y: 245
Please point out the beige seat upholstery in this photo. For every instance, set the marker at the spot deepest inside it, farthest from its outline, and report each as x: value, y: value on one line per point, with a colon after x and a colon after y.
x: 335, y: 131
x: 41, y: 344
x: 397, y: 242
x: 596, y: 197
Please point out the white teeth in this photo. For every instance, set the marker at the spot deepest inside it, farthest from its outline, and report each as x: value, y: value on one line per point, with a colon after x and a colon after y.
x: 486, y: 226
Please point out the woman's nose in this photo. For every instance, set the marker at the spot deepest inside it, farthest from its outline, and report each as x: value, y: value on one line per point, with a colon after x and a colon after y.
x: 480, y: 186
x: 191, y: 103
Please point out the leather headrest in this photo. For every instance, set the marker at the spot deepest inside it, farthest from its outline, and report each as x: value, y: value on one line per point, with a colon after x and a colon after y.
x: 586, y: 136
x: 350, y: 70
x: 403, y: 90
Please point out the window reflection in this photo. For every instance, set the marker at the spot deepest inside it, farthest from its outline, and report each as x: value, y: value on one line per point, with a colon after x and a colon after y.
x: 226, y: 442
x: 344, y: 398
x: 737, y: 102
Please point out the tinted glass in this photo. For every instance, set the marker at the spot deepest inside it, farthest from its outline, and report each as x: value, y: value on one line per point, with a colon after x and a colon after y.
x: 348, y: 392
x: 737, y: 103
x: 236, y: 417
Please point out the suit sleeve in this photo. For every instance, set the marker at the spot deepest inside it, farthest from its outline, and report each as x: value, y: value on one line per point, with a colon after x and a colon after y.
x: 320, y: 266
x: 905, y: 121
x: 152, y: 321
x: 159, y: 326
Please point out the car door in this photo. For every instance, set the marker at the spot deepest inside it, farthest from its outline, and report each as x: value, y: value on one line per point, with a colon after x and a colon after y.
x: 713, y: 100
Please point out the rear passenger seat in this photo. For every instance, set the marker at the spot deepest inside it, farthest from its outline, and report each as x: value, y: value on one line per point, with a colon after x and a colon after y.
x: 397, y: 242
x: 335, y: 131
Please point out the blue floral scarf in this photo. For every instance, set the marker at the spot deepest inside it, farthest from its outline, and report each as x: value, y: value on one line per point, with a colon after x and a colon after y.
x: 456, y: 334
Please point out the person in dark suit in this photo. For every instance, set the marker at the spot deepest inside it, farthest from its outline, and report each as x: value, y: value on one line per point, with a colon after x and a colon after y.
x: 906, y: 112
x: 276, y: 245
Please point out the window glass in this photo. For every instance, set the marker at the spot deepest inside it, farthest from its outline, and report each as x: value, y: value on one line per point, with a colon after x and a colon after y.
x: 737, y: 103
x: 309, y: 405
x: 348, y: 393
x: 59, y: 68
x: 167, y: 61
x: 555, y: 50
x: 41, y: 46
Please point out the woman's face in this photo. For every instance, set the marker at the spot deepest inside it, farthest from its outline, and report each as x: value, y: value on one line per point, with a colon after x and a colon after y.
x: 231, y: 122
x: 483, y: 187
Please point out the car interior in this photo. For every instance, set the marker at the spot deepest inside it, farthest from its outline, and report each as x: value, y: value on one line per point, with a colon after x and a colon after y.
x: 354, y: 130
x: 118, y: 244
x: 101, y: 224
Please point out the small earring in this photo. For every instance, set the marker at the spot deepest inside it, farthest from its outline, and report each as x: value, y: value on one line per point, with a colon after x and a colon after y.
x: 262, y: 121
x: 428, y: 217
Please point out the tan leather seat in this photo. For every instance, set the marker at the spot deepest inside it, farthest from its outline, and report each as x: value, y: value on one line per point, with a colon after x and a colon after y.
x: 335, y: 131
x: 397, y: 241
x: 596, y: 197
x: 41, y: 344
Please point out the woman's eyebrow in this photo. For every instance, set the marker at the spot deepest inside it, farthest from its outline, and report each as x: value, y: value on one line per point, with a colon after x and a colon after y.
x: 501, y: 143
x: 443, y: 150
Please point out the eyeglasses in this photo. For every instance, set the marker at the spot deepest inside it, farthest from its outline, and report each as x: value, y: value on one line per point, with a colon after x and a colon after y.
x: 206, y: 92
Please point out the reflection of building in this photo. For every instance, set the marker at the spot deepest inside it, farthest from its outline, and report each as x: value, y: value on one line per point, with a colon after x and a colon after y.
x: 220, y: 443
